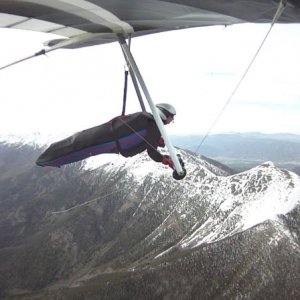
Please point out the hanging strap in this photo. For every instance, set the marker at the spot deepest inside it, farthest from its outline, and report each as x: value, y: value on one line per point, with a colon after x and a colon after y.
x: 125, y: 92
x: 126, y: 81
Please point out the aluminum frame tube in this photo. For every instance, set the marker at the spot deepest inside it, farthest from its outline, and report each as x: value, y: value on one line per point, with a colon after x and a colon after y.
x: 133, y: 65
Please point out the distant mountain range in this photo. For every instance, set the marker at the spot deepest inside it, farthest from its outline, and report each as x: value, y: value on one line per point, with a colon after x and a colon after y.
x: 126, y: 230
x: 242, y: 151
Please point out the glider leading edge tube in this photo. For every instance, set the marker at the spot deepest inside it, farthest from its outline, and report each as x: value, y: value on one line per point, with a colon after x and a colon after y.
x: 133, y: 65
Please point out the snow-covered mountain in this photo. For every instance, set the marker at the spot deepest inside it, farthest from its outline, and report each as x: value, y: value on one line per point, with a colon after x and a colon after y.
x: 121, y: 227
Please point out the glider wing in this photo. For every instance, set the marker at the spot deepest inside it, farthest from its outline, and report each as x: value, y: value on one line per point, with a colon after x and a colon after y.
x: 98, y: 21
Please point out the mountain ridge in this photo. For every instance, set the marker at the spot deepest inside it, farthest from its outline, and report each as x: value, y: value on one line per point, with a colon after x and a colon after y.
x: 242, y: 151
x: 143, y: 228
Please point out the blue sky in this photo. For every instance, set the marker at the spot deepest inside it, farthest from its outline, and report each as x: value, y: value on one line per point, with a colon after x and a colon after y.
x: 195, y: 69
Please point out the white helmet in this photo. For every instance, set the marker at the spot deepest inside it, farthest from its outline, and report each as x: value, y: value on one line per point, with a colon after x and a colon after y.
x: 165, y: 110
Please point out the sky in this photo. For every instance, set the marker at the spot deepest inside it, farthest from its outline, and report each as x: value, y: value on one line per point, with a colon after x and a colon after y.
x: 196, y: 70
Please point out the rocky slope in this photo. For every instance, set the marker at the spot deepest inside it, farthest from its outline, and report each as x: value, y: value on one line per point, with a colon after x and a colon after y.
x: 125, y: 229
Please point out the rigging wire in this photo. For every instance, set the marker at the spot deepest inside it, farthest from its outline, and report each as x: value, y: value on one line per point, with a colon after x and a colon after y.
x: 139, y: 135
x: 41, y: 52
x: 277, y: 15
x: 62, y: 44
x: 84, y: 203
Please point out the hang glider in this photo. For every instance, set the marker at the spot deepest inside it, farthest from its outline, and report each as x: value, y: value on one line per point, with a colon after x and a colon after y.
x: 83, y: 23
x: 95, y: 22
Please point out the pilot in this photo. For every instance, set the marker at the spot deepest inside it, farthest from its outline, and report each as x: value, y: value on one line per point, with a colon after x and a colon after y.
x: 127, y: 134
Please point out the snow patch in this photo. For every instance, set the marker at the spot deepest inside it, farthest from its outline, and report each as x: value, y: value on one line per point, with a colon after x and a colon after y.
x: 34, y: 139
x: 259, y: 194
x: 274, y: 202
x: 110, y: 160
